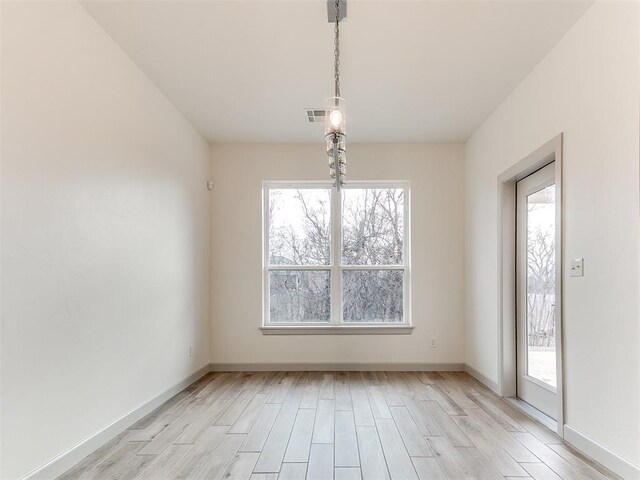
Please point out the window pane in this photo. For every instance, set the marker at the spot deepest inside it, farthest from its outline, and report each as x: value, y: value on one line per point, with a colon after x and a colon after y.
x: 299, y: 226
x: 372, y: 295
x: 299, y: 296
x: 372, y: 226
x: 541, y: 285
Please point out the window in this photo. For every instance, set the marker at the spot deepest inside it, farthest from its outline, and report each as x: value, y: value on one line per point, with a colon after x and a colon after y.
x: 336, y: 258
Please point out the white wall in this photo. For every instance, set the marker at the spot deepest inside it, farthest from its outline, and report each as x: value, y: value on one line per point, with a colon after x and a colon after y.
x: 587, y: 87
x: 436, y: 175
x: 105, y: 242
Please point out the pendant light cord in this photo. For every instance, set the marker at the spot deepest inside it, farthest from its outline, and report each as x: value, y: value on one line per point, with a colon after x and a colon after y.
x: 336, y: 51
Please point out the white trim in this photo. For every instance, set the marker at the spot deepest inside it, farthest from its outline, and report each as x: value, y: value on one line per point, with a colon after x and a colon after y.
x: 338, y: 367
x: 549, y: 152
x: 482, y: 378
x: 336, y: 258
x: 367, y: 329
x: 76, y: 453
x: 601, y: 454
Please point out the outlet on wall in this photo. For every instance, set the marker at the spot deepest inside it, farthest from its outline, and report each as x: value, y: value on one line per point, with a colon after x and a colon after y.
x: 577, y: 267
x: 434, y: 343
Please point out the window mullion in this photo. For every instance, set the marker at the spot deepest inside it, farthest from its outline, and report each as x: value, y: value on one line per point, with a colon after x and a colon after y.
x: 336, y: 256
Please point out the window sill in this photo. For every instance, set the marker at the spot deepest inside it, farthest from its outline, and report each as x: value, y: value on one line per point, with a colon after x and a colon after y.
x: 337, y: 330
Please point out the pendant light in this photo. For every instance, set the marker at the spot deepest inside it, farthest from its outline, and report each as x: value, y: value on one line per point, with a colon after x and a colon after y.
x: 334, y: 124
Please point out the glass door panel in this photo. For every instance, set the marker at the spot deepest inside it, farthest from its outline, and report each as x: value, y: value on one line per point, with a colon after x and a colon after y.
x: 536, y: 289
x: 541, y: 285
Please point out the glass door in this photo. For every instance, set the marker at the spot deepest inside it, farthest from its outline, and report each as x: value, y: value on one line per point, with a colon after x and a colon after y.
x: 536, y: 291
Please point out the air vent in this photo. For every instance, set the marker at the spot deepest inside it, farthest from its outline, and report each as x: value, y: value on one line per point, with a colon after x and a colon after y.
x: 315, y: 115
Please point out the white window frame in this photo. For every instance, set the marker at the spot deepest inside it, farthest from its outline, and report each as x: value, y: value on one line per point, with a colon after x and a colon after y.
x: 336, y: 322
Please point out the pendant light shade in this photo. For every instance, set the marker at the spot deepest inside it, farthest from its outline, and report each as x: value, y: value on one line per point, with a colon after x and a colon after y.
x: 335, y: 116
x: 335, y: 134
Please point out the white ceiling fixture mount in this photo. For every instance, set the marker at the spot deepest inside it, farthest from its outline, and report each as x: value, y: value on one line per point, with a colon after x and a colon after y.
x: 334, y: 123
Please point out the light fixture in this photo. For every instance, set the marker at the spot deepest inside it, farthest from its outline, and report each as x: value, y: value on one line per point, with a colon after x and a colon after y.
x: 334, y: 123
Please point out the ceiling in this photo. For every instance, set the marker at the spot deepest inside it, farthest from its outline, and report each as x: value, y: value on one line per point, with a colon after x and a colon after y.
x: 411, y: 71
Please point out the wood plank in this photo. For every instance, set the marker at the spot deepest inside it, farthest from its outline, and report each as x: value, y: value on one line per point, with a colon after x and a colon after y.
x: 133, y: 467
x: 249, y: 414
x: 202, y: 422
x: 327, y: 388
x: 293, y: 471
x: 413, y: 440
x: 347, y: 473
x: 503, y: 419
x: 398, y: 460
x: 323, y: 430
x: 97, y: 456
x: 342, y: 392
x: 426, y: 424
x: 311, y: 390
x: 379, y: 407
x: 196, y: 456
x: 293, y: 399
x: 164, y: 463
x: 256, y: 380
x: 217, y: 380
x: 445, y: 401
x: 428, y: 468
x: 419, y: 390
x: 300, y: 441
x: 173, y: 431
x: 346, y: 454
x: 235, y: 408
x: 450, y: 428
x: 453, y: 391
x: 549, y: 457
x: 226, y: 387
x: 220, y: 458
x: 399, y: 384
x: 582, y: 464
x: 390, y: 388
x: 539, y: 471
x: 241, y: 466
x: 489, y: 445
x: 257, y: 436
x: 320, y: 462
x: 372, y: 460
x: 539, y: 431
x: 112, y: 463
x: 481, y: 466
x: 280, y: 388
x: 502, y: 437
x: 449, y: 459
x: 360, y: 400
x: 274, y: 448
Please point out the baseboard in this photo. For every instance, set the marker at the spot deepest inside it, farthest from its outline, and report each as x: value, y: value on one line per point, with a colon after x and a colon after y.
x: 75, y: 454
x: 337, y: 367
x: 482, y: 378
x: 602, y: 455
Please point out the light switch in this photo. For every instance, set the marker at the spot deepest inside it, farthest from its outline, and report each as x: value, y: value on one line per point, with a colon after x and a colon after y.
x: 577, y: 267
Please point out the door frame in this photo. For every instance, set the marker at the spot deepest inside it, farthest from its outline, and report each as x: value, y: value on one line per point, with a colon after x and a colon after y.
x: 507, y: 311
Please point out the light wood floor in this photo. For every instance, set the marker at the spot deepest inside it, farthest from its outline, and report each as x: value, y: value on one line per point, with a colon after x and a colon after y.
x: 314, y: 425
